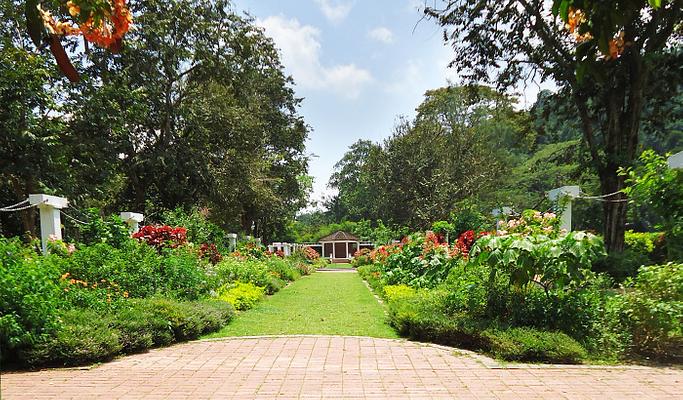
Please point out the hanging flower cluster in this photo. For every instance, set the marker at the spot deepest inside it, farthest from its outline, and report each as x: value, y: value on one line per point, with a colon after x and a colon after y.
x: 101, y: 22
x: 576, y: 17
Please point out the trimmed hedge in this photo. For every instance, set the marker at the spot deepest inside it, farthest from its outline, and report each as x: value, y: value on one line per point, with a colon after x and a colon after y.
x: 86, y: 336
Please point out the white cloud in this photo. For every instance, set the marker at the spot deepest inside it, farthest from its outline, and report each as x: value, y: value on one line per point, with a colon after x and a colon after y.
x: 334, y: 11
x: 300, y: 49
x: 382, y: 34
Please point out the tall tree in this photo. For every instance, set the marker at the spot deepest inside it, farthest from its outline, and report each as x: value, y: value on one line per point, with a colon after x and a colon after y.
x: 609, y: 57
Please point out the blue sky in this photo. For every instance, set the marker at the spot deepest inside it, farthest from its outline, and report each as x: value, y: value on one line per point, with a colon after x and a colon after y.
x: 357, y: 64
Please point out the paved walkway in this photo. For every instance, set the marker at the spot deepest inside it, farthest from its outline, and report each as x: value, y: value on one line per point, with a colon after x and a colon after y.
x: 315, y: 367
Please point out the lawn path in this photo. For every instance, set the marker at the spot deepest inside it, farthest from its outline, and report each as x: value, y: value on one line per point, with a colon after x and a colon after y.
x: 325, y: 303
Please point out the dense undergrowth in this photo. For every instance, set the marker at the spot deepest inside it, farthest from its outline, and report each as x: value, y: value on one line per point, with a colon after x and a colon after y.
x: 528, y: 293
x: 114, y: 294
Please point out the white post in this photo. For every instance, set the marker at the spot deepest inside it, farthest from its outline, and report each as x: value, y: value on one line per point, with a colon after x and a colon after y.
x: 132, y: 220
x: 676, y: 161
x: 232, y: 241
x: 504, y: 211
x: 286, y: 248
x: 50, y: 218
x: 563, y: 198
x: 334, y: 250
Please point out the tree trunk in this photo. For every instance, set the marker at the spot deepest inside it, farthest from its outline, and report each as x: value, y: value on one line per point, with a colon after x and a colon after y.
x: 28, y: 216
x: 614, y: 211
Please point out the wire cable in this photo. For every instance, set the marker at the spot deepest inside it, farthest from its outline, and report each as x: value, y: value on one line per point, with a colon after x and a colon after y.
x: 78, y: 221
x: 13, y: 206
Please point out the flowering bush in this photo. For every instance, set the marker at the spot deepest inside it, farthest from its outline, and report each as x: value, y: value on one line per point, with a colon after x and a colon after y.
x: 361, y: 257
x: 532, y: 222
x: 210, y: 252
x: 162, y: 236
x: 311, y: 254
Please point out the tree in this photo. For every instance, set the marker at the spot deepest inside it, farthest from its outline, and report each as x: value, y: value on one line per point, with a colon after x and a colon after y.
x: 196, y: 109
x: 609, y: 57
x: 193, y: 111
x: 459, y: 145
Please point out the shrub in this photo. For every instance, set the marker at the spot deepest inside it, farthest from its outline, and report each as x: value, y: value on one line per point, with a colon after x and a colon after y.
x: 396, y: 292
x: 84, y: 337
x: 253, y: 271
x: 29, y: 297
x: 526, y: 344
x: 284, y: 268
x: 210, y: 252
x: 97, y: 229
x: 199, y: 228
x: 188, y: 320
x: 653, y: 311
x: 162, y: 236
x: 140, y: 270
x: 242, y: 296
x: 361, y: 257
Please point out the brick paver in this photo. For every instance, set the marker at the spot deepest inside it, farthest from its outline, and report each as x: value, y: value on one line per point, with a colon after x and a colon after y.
x: 315, y: 367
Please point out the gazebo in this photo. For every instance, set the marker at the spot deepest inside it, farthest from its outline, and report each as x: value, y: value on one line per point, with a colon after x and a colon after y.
x: 340, y: 246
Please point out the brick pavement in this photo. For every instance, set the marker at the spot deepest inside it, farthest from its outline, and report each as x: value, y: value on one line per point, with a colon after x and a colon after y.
x: 316, y: 367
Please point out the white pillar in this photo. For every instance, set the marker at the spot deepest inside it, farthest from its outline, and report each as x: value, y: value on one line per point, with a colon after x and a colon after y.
x: 286, y: 248
x: 498, y: 212
x: 232, y: 241
x: 132, y: 220
x: 676, y: 161
x: 334, y: 250
x: 50, y: 218
x: 563, y: 197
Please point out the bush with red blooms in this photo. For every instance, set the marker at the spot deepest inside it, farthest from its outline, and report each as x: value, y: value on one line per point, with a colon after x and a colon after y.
x: 462, y: 246
x: 280, y: 253
x: 361, y: 257
x: 210, y: 252
x: 311, y: 254
x: 162, y: 236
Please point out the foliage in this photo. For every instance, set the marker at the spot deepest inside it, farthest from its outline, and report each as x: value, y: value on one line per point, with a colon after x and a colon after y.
x: 84, y: 337
x: 361, y: 257
x: 652, y: 309
x: 396, y: 292
x: 97, y: 229
x: 210, y: 252
x: 421, y: 316
x: 172, y: 120
x: 533, y: 222
x: 29, y: 297
x: 199, y: 229
x: 560, y: 262
x: 162, y: 236
x: 454, y: 148
x: 248, y: 271
x: 609, y: 59
x: 654, y: 184
x: 526, y: 344
x: 140, y: 270
x: 242, y: 296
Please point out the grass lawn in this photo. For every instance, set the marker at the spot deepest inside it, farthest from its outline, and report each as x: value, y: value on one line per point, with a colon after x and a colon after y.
x: 325, y: 303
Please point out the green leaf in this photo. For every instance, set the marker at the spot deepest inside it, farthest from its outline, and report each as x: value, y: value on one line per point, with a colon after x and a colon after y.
x: 34, y: 24
x: 655, y: 3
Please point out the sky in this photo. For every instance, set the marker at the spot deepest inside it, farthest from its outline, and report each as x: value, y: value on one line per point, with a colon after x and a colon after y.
x: 358, y: 65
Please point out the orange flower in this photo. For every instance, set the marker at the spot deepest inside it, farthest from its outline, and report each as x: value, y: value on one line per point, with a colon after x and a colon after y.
x: 125, y: 294
x: 64, y: 276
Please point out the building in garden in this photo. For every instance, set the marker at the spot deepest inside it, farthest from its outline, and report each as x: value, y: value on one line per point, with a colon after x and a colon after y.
x: 340, y: 246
